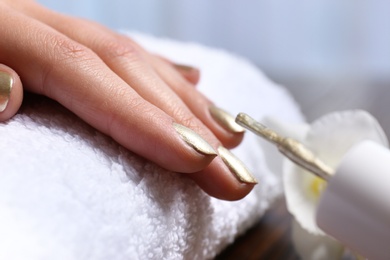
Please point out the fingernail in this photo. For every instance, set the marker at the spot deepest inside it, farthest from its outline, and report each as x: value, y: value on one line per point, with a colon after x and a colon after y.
x: 226, y: 120
x: 184, y: 67
x: 6, y: 82
x: 236, y: 166
x: 194, y: 140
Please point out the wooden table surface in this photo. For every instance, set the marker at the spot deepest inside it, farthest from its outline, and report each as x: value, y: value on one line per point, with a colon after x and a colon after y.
x: 269, y: 239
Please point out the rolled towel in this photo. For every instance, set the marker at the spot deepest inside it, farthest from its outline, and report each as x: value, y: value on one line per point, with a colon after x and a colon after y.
x: 69, y: 192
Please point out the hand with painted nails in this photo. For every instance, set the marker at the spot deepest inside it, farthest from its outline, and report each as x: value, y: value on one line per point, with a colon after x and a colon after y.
x: 144, y: 102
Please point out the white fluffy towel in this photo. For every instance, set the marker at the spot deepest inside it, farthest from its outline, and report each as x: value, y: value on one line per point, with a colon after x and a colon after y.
x: 69, y: 192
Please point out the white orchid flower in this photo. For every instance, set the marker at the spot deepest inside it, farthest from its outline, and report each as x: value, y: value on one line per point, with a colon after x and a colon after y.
x: 329, y: 137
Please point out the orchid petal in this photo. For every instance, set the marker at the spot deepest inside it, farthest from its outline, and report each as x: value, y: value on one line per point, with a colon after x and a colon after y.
x: 301, y: 203
x: 329, y: 138
x: 333, y: 135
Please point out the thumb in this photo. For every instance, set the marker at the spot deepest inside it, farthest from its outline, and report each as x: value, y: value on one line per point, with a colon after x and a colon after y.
x: 11, y: 92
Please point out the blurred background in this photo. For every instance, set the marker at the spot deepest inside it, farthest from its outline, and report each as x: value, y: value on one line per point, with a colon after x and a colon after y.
x: 331, y: 54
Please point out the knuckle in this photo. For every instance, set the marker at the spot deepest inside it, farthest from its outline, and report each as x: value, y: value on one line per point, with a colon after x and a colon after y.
x: 65, y: 49
x: 60, y: 52
x: 117, y: 49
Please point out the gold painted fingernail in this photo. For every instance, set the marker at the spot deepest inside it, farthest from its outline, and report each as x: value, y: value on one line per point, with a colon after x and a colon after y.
x: 226, y: 120
x: 236, y: 166
x: 194, y: 140
x: 6, y: 82
x: 184, y: 67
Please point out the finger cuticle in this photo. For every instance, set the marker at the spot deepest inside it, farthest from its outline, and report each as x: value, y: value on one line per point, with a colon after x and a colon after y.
x: 6, y: 82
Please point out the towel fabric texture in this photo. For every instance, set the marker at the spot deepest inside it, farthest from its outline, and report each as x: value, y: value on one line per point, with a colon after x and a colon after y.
x: 70, y: 192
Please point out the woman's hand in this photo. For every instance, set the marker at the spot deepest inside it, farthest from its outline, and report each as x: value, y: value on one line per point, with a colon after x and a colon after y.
x: 142, y: 101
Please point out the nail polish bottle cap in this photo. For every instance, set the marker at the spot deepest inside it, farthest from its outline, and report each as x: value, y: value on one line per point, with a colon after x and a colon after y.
x: 355, y: 206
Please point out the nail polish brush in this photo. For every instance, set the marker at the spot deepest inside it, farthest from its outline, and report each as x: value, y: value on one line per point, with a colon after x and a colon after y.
x: 355, y: 206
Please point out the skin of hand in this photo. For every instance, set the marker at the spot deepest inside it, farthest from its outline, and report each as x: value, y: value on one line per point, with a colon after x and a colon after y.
x: 117, y: 87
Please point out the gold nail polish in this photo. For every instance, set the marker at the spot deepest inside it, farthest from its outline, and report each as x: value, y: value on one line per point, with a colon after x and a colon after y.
x: 184, y: 67
x: 226, y: 120
x: 236, y: 166
x: 194, y: 140
x: 6, y: 83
